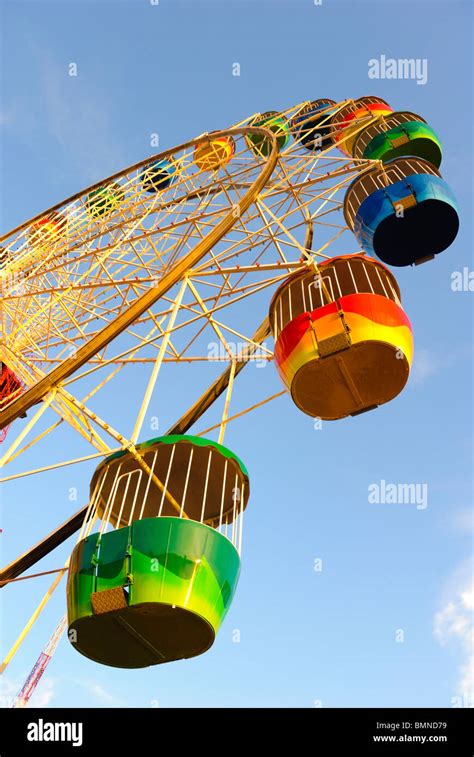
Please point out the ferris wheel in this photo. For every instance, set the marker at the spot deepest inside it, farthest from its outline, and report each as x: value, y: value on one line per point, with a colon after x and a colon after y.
x: 226, y: 237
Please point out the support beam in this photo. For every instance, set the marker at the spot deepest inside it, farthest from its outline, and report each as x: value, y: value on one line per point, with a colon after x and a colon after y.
x: 43, y: 547
x: 73, y: 524
x: 102, y: 338
x: 214, y: 391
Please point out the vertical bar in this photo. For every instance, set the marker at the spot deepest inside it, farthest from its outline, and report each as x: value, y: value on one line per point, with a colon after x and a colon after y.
x: 205, y: 486
x: 158, y: 362
x: 367, y: 275
x: 137, y: 489
x: 186, y: 482
x: 241, y: 517
x: 333, y: 270
x: 225, y: 413
x: 95, y: 497
x: 223, y: 492
x: 109, y: 505
x: 166, y: 481
x: 145, y: 496
x: 353, y: 279
x: 304, y: 296
x: 233, y: 509
x: 128, y: 476
x: 311, y: 294
x: 381, y: 281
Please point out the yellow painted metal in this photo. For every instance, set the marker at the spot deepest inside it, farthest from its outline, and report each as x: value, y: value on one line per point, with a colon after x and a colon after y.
x: 261, y: 190
x: 28, y: 626
x: 145, y: 301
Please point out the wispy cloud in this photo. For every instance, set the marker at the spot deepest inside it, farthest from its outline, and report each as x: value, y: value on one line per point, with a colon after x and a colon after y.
x: 44, y: 694
x: 77, y: 112
x: 425, y: 365
x: 453, y: 625
x: 96, y: 692
x: 8, y: 691
x: 9, y: 113
x: 463, y: 520
x: 101, y: 694
x: 47, y: 691
x: 78, y: 115
x: 428, y: 363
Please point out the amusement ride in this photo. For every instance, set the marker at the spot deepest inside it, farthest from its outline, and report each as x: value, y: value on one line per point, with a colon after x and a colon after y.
x: 226, y: 237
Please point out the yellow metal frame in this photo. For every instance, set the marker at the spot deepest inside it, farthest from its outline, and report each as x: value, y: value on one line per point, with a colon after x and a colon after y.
x: 291, y: 191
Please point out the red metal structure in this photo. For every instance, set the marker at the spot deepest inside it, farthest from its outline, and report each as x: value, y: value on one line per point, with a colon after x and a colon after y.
x: 26, y: 692
x: 10, y: 388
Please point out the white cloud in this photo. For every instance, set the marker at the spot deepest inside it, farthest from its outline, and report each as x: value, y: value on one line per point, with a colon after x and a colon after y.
x: 78, y: 118
x: 101, y: 694
x: 453, y: 624
x: 467, y: 598
x: 462, y: 520
x: 44, y: 693
x: 424, y: 366
x: 96, y: 691
x: 427, y: 363
x: 8, y: 115
x: 42, y: 696
x: 8, y: 691
x: 75, y: 111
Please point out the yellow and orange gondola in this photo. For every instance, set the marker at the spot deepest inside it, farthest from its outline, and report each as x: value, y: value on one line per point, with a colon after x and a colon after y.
x: 343, y: 343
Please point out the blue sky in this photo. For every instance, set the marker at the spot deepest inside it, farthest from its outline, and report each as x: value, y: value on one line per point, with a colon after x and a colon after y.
x: 306, y: 636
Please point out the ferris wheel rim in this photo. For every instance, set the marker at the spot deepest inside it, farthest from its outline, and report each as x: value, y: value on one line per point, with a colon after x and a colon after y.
x: 98, y: 341
x: 196, y: 141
